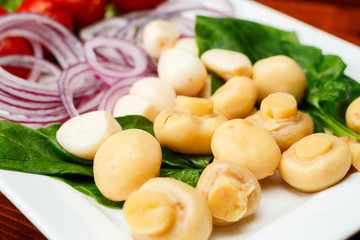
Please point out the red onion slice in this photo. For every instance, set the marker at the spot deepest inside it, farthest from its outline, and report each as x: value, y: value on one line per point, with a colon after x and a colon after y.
x: 27, y: 105
x: 175, y: 7
x: 117, y: 90
x: 27, y: 90
x: 103, y: 28
x: 96, y: 74
x: 78, y: 79
x: 57, y: 47
x: 35, y: 120
x: 47, y: 26
x: 28, y: 61
x: 59, y: 109
x: 134, y: 54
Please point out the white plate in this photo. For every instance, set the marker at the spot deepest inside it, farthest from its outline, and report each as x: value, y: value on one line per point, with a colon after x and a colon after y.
x: 61, y: 212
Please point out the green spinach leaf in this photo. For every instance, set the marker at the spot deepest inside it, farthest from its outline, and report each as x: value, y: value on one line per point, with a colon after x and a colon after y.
x: 329, y: 91
x: 10, y: 5
x: 111, y: 11
x: 24, y: 149
x: 50, y: 132
x: 171, y: 159
x: 136, y: 121
x: 37, y: 151
x: 216, y: 82
x: 187, y: 175
x: 88, y: 187
x: 253, y: 39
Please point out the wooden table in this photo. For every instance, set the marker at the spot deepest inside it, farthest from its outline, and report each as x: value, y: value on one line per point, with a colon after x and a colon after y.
x: 340, y: 18
x: 337, y: 17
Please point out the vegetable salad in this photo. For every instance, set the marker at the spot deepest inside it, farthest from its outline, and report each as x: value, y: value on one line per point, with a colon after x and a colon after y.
x: 328, y: 93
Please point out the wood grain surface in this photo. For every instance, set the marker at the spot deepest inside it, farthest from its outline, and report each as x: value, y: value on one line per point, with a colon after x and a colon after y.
x: 337, y: 17
x: 340, y: 18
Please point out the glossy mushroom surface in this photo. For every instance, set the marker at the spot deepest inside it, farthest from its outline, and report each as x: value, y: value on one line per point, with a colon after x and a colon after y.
x: 247, y: 144
x: 316, y: 162
x: 168, y: 209
x: 231, y: 191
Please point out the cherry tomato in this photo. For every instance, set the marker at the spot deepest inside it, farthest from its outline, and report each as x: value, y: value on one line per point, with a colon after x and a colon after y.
x: 15, y: 45
x: 49, y: 8
x: 84, y: 12
x: 132, y: 5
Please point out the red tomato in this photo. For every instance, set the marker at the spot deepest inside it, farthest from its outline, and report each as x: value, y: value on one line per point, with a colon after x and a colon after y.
x: 2, y: 11
x: 132, y: 5
x: 84, y: 12
x: 50, y: 9
x: 15, y: 45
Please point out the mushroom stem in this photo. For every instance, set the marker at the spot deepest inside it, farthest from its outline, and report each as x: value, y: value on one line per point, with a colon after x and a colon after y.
x: 149, y: 212
x: 168, y: 209
x: 231, y: 191
x: 197, y: 106
x: 227, y: 199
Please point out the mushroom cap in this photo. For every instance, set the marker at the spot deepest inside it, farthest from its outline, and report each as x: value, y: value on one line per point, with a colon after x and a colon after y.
x: 236, y: 98
x: 227, y: 169
x: 185, y: 132
x: 247, y: 144
x: 285, y: 131
x: 158, y: 36
x: 125, y: 161
x: 193, y: 217
x: 279, y: 74
x: 83, y: 135
x: 184, y: 71
x: 227, y: 63
x: 352, y: 115
x: 159, y: 93
x: 315, y: 162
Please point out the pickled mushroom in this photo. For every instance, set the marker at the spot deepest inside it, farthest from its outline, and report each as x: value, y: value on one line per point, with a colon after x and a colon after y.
x: 279, y: 115
x: 231, y: 191
x: 125, y: 161
x: 168, y: 209
x: 189, y: 127
x: 279, y: 74
x: 316, y: 162
x: 247, y: 144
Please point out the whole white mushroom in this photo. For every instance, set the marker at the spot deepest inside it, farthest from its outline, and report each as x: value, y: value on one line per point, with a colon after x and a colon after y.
x: 188, y: 44
x: 134, y: 105
x: 316, y: 162
x: 247, y: 144
x: 184, y: 71
x: 226, y: 63
x: 83, y: 135
x: 279, y: 74
x: 236, y: 98
x: 231, y: 191
x: 279, y: 115
x: 158, y: 92
x: 168, y: 209
x: 352, y: 116
x: 189, y: 127
x: 125, y: 161
x: 159, y: 35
